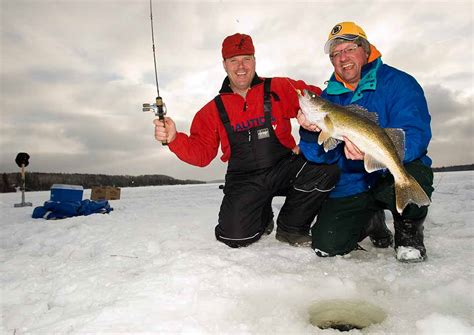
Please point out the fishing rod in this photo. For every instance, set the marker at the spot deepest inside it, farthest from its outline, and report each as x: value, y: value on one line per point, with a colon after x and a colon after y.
x: 159, y: 107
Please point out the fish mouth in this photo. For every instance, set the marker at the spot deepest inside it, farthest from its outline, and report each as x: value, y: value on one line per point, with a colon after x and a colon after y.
x: 303, y: 96
x: 309, y: 95
x: 304, y: 93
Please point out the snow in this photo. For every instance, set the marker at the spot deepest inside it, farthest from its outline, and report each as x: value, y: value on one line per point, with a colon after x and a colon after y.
x: 153, y: 266
x: 408, y: 253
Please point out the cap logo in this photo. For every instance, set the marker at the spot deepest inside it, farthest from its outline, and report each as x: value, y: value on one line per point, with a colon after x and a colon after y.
x: 241, y: 43
x: 336, y: 29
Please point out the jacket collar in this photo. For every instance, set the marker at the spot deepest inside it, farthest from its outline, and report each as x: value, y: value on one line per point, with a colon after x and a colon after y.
x: 226, y: 84
x: 368, y: 81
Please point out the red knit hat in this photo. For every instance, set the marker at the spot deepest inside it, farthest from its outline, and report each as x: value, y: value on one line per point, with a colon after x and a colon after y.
x: 237, y: 44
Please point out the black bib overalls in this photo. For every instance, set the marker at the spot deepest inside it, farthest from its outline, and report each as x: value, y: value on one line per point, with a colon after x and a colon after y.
x: 260, y: 168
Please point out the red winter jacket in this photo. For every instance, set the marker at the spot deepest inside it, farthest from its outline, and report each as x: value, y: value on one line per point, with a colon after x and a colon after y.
x: 207, y: 130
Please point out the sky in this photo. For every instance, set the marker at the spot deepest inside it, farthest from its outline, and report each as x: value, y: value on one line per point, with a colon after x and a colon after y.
x: 75, y: 73
x: 153, y: 266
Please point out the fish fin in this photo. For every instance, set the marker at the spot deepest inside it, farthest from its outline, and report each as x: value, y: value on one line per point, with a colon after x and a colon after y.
x: 361, y: 111
x: 397, y: 136
x: 328, y: 142
x: 410, y: 192
x: 371, y: 164
x: 323, y: 136
x: 331, y: 143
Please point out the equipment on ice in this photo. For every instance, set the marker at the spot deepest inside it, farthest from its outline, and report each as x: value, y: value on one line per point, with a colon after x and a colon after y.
x: 159, y: 107
x: 22, y: 161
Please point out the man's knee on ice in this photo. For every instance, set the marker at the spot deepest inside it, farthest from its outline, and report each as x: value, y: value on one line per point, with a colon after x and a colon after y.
x: 236, y: 241
x: 233, y: 244
x: 331, y: 249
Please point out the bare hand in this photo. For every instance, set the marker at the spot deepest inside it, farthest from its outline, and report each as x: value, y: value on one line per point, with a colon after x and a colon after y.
x: 165, y: 131
x: 352, y: 151
x: 305, y: 123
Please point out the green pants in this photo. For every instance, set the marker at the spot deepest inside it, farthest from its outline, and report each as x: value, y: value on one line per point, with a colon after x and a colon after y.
x: 341, y: 221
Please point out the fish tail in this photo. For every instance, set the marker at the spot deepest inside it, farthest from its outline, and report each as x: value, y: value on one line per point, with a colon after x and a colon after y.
x: 408, y: 192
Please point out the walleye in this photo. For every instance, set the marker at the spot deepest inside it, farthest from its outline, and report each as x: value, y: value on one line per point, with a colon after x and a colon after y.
x: 383, y: 148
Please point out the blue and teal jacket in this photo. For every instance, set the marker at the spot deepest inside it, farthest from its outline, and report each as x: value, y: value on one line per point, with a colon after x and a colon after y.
x: 398, y: 100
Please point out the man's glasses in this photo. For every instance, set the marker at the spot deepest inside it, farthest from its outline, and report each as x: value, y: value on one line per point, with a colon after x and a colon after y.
x: 348, y: 51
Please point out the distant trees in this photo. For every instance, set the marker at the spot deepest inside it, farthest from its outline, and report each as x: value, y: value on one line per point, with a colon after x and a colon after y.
x: 5, y: 185
x: 36, y: 181
x: 467, y: 167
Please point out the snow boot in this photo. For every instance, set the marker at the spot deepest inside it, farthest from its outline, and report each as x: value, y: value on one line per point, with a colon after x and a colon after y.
x: 294, y: 239
x: 269, y: 228
x: 378, y: 232
x: 409, y: 245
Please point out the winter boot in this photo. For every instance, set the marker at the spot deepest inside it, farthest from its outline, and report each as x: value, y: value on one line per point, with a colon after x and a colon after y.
x: 269, y: 228
x: 378, y: 232
x: 409, y: 245
x: 294, y: 239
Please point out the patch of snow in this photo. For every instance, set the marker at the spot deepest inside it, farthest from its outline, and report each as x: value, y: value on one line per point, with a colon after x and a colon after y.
x: 408, y: 254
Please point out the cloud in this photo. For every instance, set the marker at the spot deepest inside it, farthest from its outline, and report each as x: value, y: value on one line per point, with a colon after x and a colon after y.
x: 452, y: 121
x: 75, y: 73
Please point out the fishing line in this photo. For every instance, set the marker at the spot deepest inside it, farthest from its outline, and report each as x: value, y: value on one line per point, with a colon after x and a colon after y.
x: 154, y: 53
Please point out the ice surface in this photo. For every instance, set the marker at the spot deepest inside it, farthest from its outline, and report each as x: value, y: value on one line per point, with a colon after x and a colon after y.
x: 153, y: 266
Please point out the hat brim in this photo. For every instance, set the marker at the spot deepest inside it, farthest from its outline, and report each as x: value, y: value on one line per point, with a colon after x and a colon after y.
x: 347, y: 37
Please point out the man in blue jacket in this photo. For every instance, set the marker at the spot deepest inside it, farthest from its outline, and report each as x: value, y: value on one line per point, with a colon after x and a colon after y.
x: 355, y: 208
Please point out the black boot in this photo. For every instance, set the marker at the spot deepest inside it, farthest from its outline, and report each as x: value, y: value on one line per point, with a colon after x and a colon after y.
x: 269, y: 228
x: 409, y: 245
x: 294, y: 239
x: 378, y: 232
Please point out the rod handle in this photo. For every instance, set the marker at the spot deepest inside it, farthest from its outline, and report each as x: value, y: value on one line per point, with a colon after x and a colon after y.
x: 161, y: 111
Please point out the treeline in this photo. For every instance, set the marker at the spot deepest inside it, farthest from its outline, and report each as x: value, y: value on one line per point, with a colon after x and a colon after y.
x: 37, y: 181
x: 467, y: 167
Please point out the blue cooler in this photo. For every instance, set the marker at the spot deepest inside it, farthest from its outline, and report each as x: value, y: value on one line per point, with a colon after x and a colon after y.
x: 65, y: 193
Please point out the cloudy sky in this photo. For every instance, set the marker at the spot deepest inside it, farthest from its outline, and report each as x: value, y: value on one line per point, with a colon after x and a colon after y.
x: 74, y: 73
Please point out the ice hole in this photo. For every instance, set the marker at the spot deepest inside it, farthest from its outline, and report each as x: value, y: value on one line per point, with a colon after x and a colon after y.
x: 345, y: 315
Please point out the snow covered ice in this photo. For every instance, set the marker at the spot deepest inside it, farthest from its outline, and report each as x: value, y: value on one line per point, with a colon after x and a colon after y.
x: 153, y: 266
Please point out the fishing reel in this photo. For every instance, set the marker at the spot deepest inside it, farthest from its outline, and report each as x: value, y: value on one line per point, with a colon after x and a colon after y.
x: 159, y: 109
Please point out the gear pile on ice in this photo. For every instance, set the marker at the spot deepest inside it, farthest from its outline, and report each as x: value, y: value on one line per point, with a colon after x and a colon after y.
x: 52, y: 210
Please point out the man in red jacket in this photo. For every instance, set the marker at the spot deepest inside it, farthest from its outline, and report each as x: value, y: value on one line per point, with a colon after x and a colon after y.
x: 250, y: 120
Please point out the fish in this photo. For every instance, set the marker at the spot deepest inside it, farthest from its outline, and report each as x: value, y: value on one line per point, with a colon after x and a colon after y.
x: 384, y: 148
